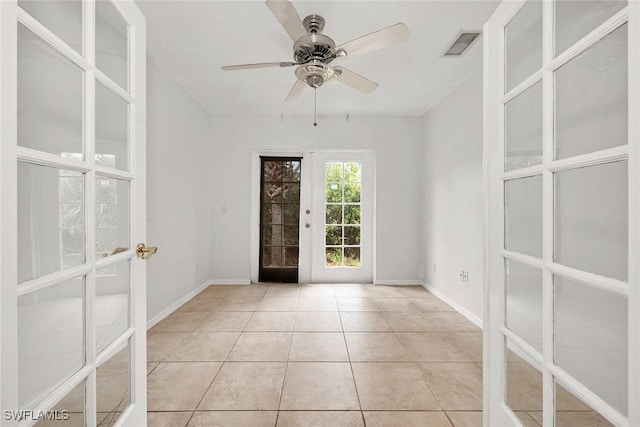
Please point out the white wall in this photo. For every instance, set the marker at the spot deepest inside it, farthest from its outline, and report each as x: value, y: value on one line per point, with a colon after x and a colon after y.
x: 396, y: 141
x: 179, y: 184
x: 453, y: 203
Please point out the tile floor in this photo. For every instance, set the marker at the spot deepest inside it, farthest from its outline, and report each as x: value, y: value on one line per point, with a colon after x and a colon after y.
x: 289, y: 355
x: 322, y: 355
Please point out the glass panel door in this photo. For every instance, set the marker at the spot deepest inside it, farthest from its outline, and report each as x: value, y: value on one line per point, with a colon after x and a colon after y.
x: 279, y: 219
x: 71, y: 285
x: 563, y: 294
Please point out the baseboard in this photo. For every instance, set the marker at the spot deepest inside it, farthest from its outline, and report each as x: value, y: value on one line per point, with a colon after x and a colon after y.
x: 454, y: 304
x: 229, y: 282
x: 398, y: 282
x: 173, y: 307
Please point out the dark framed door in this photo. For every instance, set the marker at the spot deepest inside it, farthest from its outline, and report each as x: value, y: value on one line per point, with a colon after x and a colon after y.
x: 279, y: 219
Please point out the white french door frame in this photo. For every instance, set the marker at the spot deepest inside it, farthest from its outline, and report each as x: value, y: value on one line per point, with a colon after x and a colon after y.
x: 496, y: 411
x: 308, y: 190
x: 11, y: 154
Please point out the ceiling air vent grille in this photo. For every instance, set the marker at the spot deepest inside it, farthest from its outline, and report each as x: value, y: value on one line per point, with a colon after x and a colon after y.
x: 462, y: 43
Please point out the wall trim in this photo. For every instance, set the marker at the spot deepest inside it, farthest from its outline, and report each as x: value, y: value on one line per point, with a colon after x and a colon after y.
x: 398, y: 282
x: 176, y: 305
x: 239, y: 282
x: 454, y: 304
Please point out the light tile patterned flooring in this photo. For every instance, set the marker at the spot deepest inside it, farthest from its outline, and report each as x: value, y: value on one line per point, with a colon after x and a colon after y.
x: 315, y: 355
x: 329, y: 355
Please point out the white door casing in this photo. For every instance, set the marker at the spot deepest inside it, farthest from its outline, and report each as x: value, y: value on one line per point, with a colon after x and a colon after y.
x: 111, y: 305
x: 567, y: 274
x: 312, y: 252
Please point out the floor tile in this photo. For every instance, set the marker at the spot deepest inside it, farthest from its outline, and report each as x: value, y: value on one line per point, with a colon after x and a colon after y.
x: 356, y: 304
x: 349, y: 291
x: 416, y: 291
x: 317, y: 291
x: 320, y: 419
x: 224, y: 321
x: 278, y: 304
x: 179, y: 386
x: 318, y: 347
x: 317, y: 304
x: 168, y: 419
x: 456, y: 386
x: 160, y: 344
x: 406, y: 419
x: 204, y: 346
x: 319, y: 386
x: 524, y: 387
x: 392, y: 386
x: 430, y: 347
x: 151, y: 366
x: 233, y: 419
x: 364, y: 322
x: 528, y: 421
x: 255, y: 290
x: 384, y: 291
x: 180, y: 321
x: 470, y: 343
x: 582, y: 419
x: 429, y: 322
x: 465, y: 418
x: 261, y: 346
x: 199, y: 303
x: 430, y: 304
x: 374, y: 347
x: 235, y: 303
x: 245, y: 386
x: 283, y: 291
x: 310, y: 321
x: 275, y: 321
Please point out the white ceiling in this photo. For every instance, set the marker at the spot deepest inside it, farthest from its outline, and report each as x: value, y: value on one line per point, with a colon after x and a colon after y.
x: 191, y: 40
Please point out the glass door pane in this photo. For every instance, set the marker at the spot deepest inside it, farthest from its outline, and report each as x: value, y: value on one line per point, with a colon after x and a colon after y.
x: 279, y: 219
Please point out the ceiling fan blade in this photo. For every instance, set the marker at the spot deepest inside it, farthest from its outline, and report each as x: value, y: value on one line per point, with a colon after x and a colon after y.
x: 377, y: 40
x: 355, y: 80
x: 286, y: 14
x: 295, y: 91
x: 259, y: 65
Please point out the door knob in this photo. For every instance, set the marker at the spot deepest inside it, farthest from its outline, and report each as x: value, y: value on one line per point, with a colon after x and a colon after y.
x: 145, y: 252
x: 307, y: 225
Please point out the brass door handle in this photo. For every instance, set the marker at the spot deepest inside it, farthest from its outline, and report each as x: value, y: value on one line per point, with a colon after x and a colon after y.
x: 115, y: 251
x: 145, y: 252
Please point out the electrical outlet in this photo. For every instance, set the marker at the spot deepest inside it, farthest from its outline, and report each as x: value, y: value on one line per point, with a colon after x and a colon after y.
x: 464, y: 276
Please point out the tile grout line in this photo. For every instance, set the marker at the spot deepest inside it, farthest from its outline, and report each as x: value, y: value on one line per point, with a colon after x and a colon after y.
x: 355, y: 385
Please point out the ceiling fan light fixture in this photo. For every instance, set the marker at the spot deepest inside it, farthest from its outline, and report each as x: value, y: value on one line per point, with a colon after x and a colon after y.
x: 315, y: 74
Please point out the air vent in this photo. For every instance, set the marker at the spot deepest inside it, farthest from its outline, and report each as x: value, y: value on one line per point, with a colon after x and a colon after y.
x: 462, y: 43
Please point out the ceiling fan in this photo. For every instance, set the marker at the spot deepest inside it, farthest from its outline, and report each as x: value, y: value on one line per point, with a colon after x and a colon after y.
x: 313, y: 51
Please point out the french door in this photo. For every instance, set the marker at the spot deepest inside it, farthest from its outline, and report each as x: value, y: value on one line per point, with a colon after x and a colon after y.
x: 314, y: 220
x: 562, y: 170
x: 72, y: 213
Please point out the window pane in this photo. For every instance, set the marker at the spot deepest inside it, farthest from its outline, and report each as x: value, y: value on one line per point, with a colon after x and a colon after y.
x: 591, y: 227
x: 112, y: 303
x: 352, y: 193
x: 291, y: 213
x: 50, y: 99
x: 591, y: 98
x: 334, y: 193
x: 112, y: 387
x: 523, y: 39
x: 353, y: 171
x: 352, y: 214
x: 291, y: 257
x: 50, y: 339
x: 73, y: 403
x: 351, y: 235
x: 334, y: 214
x: 333, y: 235
x: 333, y: 257
x: 577, y: 18
x: 524, y: 384
x: 112, y: 43
x: 112, y: 208
x: 50, y: 220
x: 572, y: 411
x: 590, y: 332
x: 273, y: 192
x: 63, y: 18
x: 352, y: 257
x: 523, y: 129
x: 523, y: 215
x: 291, y: 235
x: 292, y: 193
x: 272, y: 256
x: 112, y: 129
x: 333, y: 172
x: 524, y: 302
